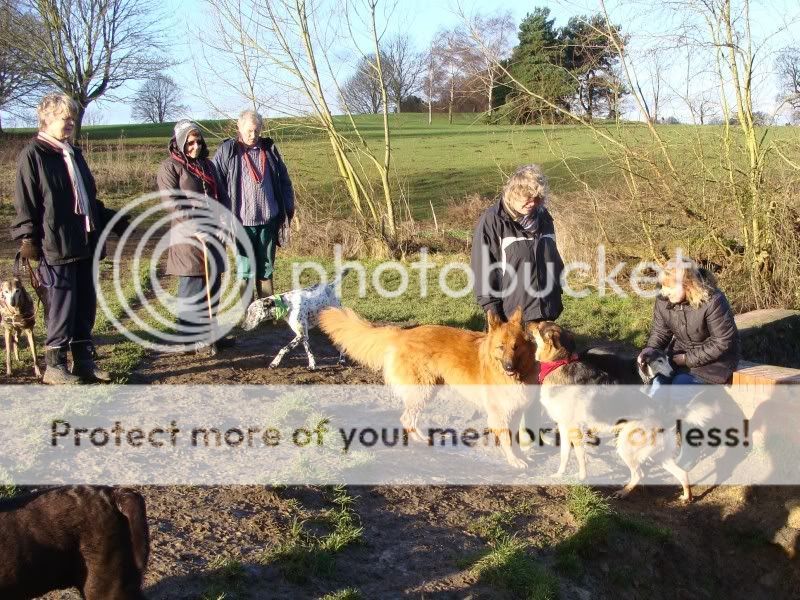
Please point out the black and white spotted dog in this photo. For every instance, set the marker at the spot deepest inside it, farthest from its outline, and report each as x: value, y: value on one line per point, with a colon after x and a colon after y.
x: 300, y: 309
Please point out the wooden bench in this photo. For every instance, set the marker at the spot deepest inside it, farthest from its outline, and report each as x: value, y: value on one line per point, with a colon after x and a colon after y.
x: 754, y: 383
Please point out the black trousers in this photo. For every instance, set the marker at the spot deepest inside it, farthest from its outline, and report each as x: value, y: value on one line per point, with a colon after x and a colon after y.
x: 193, y: 317
x: 73, y: 302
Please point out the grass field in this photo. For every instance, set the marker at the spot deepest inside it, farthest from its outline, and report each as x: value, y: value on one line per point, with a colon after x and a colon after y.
x: 433, y: 164
x: 335, y: 543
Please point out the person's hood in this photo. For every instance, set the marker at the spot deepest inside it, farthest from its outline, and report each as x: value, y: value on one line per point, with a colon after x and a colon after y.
x: 181, y: 131
x: 175, y: 149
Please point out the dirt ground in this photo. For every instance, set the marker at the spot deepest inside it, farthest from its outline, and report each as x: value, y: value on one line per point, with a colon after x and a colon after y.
x: 416, y: 539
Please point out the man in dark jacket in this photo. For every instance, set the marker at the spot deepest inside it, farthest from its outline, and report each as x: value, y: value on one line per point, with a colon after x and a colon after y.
x: 58, y: 221
x: 193, y: 191
x: 515, y: 260
x: 693, y: 318
x: 261, y: 195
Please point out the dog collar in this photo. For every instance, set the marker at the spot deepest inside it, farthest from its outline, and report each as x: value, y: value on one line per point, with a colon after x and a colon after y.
x: 546, y: 368
x: 281, y: 308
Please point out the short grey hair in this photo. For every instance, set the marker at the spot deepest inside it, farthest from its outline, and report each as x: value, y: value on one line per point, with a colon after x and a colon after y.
x: 526, y: 180
x: 55, y: 104
x: 250, y: 116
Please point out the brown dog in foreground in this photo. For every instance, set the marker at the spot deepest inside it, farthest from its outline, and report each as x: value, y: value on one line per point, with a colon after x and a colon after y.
x: 414, y: 361
x: 90, y: 537
x: 19, y: 316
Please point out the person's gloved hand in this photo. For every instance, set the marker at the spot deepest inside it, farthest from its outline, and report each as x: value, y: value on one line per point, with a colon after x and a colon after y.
x: 679, y: 360
x: 30, y: 249
x: 645, y: 355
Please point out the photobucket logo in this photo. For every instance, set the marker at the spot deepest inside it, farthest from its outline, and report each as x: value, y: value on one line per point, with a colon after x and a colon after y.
x: 488, y: 275
x: 192, y: 232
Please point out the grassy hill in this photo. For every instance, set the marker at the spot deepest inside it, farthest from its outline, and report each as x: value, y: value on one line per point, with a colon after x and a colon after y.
x: 432, y: 165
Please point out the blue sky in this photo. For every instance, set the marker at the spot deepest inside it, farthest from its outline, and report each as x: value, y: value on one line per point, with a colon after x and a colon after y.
x: 419, y: 18
x: 422, y: 18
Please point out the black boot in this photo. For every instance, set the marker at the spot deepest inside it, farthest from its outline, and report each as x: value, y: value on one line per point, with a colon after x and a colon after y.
x: 83, y: 364
x: 56, y: 372
x: 265, y: 288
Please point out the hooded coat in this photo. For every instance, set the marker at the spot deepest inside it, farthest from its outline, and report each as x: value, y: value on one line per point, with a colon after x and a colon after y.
x: 175, y: 177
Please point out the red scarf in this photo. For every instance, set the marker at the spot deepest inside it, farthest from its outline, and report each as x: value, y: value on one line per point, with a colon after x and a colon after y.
x: 258, y: 178
x: 546, y: 368
x: 206, y: 178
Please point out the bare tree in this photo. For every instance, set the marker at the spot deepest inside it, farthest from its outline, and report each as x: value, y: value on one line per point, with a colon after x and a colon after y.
x: 157, y: 101
x: 18, y: 81
x: 93, y: 115
x: 293, y: 40
x: 704, y: 109
x: 497, y: 34
x: 403, y: 66
x: 362, y: 92
x: 788, y: 67
x: 433, y: 75
x: 451, y: 54
x: 87, y: 48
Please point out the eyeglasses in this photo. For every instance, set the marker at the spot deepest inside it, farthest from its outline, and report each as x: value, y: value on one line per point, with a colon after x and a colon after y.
x: 194, y: 142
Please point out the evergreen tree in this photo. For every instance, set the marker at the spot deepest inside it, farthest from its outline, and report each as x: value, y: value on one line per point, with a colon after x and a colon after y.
x: 536, y: 63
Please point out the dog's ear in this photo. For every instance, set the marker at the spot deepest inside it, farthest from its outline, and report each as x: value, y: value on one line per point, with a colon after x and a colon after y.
x: 545, y: 331
x: 516, y: 316
x: 567, y: 340
x: 532, y: 331
x: 493, y: 320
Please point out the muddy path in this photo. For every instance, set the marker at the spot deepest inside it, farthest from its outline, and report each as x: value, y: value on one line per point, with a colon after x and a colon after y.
x: 417, y: 541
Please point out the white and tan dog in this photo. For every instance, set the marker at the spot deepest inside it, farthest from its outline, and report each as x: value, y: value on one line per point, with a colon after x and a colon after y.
x: 19, y: 316
x: 580, y: 414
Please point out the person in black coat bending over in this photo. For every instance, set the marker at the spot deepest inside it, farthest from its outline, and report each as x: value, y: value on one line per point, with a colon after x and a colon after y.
x: 515, y: 260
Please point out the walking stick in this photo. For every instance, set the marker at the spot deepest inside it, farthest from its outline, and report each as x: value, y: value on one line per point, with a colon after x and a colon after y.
x: 211, y: 321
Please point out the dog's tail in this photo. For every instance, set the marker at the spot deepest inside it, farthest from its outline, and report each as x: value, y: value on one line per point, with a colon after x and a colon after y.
x: 699, y: 415
x: 131, y: 504
x: 358, y: 338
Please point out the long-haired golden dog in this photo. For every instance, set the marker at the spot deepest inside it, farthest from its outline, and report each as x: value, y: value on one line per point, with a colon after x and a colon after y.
x: 416, y: 360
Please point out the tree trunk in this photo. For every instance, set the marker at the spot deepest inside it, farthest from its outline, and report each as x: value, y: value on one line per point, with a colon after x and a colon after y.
x: 450, y: 105
x: 76, y: 135
x: 491, y: 87
x: 430, y: 97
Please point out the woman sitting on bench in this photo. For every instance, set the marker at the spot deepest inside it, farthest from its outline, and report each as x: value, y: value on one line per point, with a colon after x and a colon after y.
x: 693, y: 318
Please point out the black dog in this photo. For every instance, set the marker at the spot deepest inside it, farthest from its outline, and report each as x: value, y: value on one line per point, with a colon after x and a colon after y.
x: 90, y: 537
x: 622, y: 367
